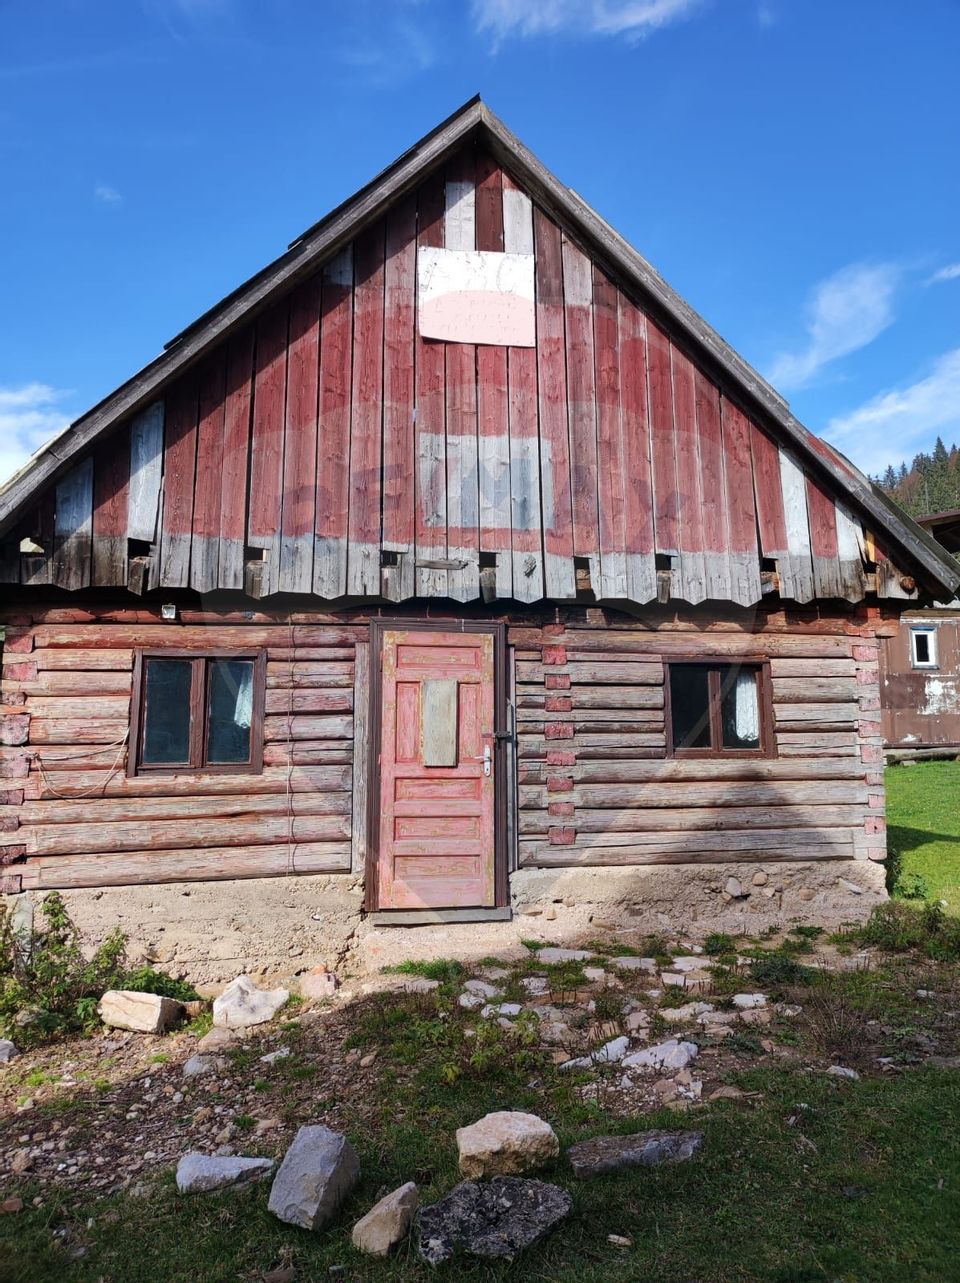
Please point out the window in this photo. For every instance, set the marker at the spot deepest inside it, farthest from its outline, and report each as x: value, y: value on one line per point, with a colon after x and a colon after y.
x: 198, y: 712
x: 718, y: 710
x: 923, y: 647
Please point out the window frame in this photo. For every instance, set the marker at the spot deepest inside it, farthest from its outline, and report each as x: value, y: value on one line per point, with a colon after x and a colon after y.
x: 199, y: 713
x: 767, y: 745
x: 930, y: 632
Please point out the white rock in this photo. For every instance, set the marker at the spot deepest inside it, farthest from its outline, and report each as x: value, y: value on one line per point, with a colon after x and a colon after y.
x: 536, y: 986
x: 610, y: 1053
x: 144, y: 1013
x: 788, y: 1010
x: 318, y: 1172
x: 505, y: 1143
x: 840, y: 1071
x: 272, y: 1057
x: 689, y: 1011
x: 7, y: 1051
x: 671, y: 1054
x: 501, y: 1009
x: 551, y: 955
x: 317, y: 985
x: 471, y: 1001
x: 629, y: 963
x: 420, y: 984
x: 484, y: 990
x: 637, y: 1020
x: 745, y: 1001
x: 673, y: 979
x: 850, y: 886
x: 733, y: 888
x: 199, y: 1065
x: 242, y: 1004
x: 200, y: 1173
x: 688, y: 963
x: 594, y: 974
x: 388, y: 1223
x: 717, y: 1017
x: 217, y: 1040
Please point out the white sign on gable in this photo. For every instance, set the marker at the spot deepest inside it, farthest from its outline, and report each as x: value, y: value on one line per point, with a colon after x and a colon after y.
x: 472, y: 296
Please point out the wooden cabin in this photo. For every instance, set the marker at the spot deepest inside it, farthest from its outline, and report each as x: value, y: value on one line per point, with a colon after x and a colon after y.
x: 920, y: 669
x: 450, y: 574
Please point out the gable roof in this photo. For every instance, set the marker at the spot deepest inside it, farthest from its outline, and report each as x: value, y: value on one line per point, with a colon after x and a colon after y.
x: 474, y: 122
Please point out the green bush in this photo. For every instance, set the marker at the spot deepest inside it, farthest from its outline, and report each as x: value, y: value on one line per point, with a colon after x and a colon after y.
x: 718, y: 942
x: 48, y: 988
x: 905, y: 928
x: 777, y: 969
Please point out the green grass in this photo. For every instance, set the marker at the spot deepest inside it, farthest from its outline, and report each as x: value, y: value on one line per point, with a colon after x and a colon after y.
x: 923, y: 817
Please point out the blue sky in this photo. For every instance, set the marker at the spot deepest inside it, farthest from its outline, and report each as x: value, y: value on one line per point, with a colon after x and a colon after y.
x: 790, y: 166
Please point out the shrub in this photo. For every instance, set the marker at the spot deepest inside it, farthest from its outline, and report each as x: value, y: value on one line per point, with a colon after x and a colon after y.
x: 904, y: 928
x: 776, y: 970
x: 912, y: 886
x: 49, y: 988
x: 718, y: 942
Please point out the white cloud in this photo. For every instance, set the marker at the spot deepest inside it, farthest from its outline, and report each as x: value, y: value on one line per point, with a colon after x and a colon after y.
x: 895, y: 425
x: 29, y: 416
x: 949, y: 273
x: 632, y: 18
x: 845, y: 312
x: 106, y: 195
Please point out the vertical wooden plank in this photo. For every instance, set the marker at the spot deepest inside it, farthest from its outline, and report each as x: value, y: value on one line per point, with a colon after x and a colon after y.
x: 742, y: 517
x: 525, y: 516
x: 146, y: 473
x: 179, y: 473
x: 266, y: 451
x: 611, y: 474
x: 333, y: 450
x: 361, y: 746
x: 37, y: 568
x: 74, y: 528
x: 430, y: 411
x: 559, y: 576
x: 822, y: 516
x: 638, y: 487
x: 666, y: 507
x: 794, y: 488
x: 463, y: 492
x: 768, y: 494
x: 111, y: 503
x: 238, y: 407
x: 581, y: 405
x: 399, y: 445
x: 849, y: 555
x: 363, y: 541
x: 693, y: 575
x: 493, y: 447
x: 205, y: 549
x: 300, y: 440
x: 716, y: 539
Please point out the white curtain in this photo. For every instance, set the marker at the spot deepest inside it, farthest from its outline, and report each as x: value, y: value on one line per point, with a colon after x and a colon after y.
x: 243, y: 712
x: 747, y: 708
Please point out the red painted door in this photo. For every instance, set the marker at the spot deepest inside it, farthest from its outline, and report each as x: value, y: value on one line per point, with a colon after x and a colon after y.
x: 437, y: 771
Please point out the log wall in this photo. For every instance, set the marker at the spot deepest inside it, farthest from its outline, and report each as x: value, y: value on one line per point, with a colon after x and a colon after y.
x: 595, y: 785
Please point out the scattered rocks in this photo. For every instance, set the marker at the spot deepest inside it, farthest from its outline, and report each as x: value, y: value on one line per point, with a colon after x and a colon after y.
x: 319, y: 1170
x: 506, y: 1143
x: 497, y: 1220
x: 201, y: 1173
x: 605, y: 1154
x: 7, y: 1051
x: 552, y: 955
x: 746, y: 1001
x: 671, y: 1054
x: 318, y: 984
x: 386, y: 1224
x: 143, y: 1013
x: 242, y: 1004
x: 608, y: 1054
x: 840, y: 1071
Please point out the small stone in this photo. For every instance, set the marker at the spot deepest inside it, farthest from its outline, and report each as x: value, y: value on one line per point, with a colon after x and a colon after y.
x: 318, y: 984
x: 630, y: 963
x: 471, y: 1001
x: 788, y: 1010
x: 7, y: 1051
x: 734, y: 889
x: 501, y: 1009
x: 552, y: 955
x: 506, y: 1143
x: 550, y: 913
x: 760, y: 879
x: 369, y: 1059
x: 840, y: 1071
x: 594, y: 974
x: 852, y: 887
x: 608, y: 1054
x: 926, y: 993
x: 536, y: 986
x: 481, y: 987
x: 265, y: 1125
x: 198, y: 1066
x: 806, y: 894
x: 756, y: 1016
x: 605, y: 1154
x: 673, y: 979
x: 747, y: 1000
x: 671, y: 1054
x: 318, y: 1172
x: 727, y: 1093
x: 217, y: 1040
x: 272, y: 1057
x: 619, y: 1240
x: 420, y: 984
x: 242, y: 1004
x: 495, y: 1220
x: 145, y: 1013
x: 689, y: 1011
x: 387, y: 1223
x: 201, y: 1173
x: 687, y: 963
x: 20, y: 1161
x: 11, y: 1205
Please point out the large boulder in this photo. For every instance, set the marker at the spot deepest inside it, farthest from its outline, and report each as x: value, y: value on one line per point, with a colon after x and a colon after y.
x: 7, y: 1051
x: 143, y: 1013
x: 242, y: 1004
x: 318, y: 1172
x: 201, y: 1173
x: 672, y: 1054
x: 605, y: 1154
x: 506, y: 1143
x: 387, y: 1224
x: 497, y: 1220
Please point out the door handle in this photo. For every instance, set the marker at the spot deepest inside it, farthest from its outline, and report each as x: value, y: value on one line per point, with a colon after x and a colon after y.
x: 487, y: 759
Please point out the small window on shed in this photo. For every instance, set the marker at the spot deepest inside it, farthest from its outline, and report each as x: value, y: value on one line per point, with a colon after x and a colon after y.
x: 717, y: 710
x: 198, y: 712
x: 923, y: 647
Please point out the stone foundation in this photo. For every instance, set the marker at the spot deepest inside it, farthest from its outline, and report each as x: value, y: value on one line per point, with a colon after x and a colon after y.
x: 210, y: 932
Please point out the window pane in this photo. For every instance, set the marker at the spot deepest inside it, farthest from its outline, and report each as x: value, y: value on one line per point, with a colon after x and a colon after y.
x: 740, y: 708
x: 690, y: 705
x: 231, y: 711
x: 166, y: 712
x: 921, y: 648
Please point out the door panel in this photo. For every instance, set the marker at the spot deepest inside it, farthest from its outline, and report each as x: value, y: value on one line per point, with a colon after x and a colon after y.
x: 436, y: 847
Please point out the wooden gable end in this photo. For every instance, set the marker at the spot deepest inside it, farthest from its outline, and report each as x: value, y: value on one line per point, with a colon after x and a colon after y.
x: 328, y: 448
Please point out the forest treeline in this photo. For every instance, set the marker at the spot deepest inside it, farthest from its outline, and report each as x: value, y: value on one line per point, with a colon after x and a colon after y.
x: 931, y: 483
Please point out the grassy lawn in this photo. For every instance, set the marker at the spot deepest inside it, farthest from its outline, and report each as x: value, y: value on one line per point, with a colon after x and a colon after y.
x: 923, y: 813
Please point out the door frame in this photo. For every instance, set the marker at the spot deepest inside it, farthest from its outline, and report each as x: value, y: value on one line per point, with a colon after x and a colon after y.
x: 501, y: 757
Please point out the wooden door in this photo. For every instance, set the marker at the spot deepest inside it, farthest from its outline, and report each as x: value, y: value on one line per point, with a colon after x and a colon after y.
x: 437, y: 771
